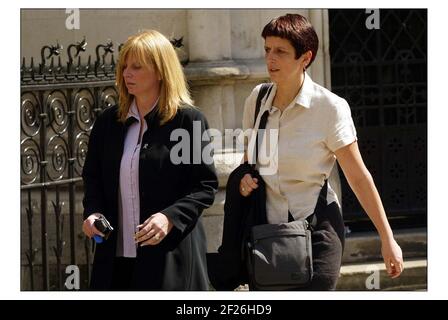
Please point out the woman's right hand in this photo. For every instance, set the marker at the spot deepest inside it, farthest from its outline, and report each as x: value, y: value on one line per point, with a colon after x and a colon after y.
x: 247, y: 185
x: 89, y: 228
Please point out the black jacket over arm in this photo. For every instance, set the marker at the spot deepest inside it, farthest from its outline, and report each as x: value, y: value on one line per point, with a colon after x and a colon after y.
x: 180, y: 191
x: 227, y: 267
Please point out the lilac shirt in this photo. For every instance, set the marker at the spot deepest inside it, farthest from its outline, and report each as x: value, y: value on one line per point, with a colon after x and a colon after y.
x: 129, y: 193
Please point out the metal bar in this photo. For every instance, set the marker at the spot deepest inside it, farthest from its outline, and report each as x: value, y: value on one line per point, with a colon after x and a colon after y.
x: 71, y: 172
x: 53, y: 86
x: 58, y: 248
x: 30, y: 239
x: 43, y: 200
x: 50, y: 184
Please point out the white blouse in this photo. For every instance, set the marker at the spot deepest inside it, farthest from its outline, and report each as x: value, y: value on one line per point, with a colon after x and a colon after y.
x: 301, y: 149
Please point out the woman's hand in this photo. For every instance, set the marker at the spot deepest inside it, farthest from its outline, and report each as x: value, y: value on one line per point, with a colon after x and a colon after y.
x: 89, y: 228
x: 247, y: 185
x: 393, y: 257
x: 153, y: 230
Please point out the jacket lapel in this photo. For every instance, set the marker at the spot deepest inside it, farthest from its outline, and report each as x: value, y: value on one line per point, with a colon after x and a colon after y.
x: 116, y: 146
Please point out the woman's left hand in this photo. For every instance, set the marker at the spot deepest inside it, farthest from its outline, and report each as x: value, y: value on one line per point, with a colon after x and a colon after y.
x: 153, y: 230
x: 393, y: 257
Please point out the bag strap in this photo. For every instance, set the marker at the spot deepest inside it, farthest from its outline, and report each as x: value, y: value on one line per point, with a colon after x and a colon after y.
x: 320, y: 205
x: 265, y: 90
x: 265, y: 87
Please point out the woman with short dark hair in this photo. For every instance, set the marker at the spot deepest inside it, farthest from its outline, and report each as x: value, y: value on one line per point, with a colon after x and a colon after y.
x: 314, y: 129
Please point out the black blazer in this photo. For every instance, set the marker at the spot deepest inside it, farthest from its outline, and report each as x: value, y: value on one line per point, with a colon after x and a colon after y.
x: 179, y: 191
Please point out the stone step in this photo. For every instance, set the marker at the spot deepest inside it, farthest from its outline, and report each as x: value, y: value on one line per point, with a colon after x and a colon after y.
x: 361, y: 247
x: 362, y: 259
x: 373, y: 276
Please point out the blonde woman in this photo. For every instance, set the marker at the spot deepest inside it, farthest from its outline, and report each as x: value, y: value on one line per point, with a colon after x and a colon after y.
x: 153, y: 202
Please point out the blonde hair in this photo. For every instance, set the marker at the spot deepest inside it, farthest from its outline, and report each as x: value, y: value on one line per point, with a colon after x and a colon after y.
x: 150, y: 47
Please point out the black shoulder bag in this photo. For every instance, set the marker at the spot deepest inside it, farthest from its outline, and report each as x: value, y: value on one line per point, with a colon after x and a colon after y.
x: 279, y: 256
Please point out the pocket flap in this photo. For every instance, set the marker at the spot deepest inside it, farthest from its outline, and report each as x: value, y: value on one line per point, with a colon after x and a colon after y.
x: 294, y: 228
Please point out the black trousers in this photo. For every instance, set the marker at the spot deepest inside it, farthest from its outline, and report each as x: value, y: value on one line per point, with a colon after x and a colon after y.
x: 328, y: 239
x: 123, y: 274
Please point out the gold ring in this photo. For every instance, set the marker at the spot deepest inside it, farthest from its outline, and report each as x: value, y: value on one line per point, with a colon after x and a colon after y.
x: 242, y: 189
x: 157, y: 237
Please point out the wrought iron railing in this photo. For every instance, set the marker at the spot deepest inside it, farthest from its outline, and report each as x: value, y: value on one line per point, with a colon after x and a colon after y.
x: 58, y: 107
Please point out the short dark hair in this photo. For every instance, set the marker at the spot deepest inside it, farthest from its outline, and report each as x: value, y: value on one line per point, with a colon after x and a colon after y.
x: 297, y: 30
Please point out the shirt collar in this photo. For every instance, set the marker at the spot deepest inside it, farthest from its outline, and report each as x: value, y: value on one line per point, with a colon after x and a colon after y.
x: 305, y: 94
x: 133, y: 111
x: 303, y: 98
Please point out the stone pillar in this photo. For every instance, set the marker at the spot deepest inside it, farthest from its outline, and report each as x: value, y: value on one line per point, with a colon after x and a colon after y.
x: 326, y: 49
x: 209, y: 99
x: 228, y: 107
x: 246, y: 40
x: 209, y: 35
x: 209, y: 54
x: 209, y: 44
x: 317, y: 69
